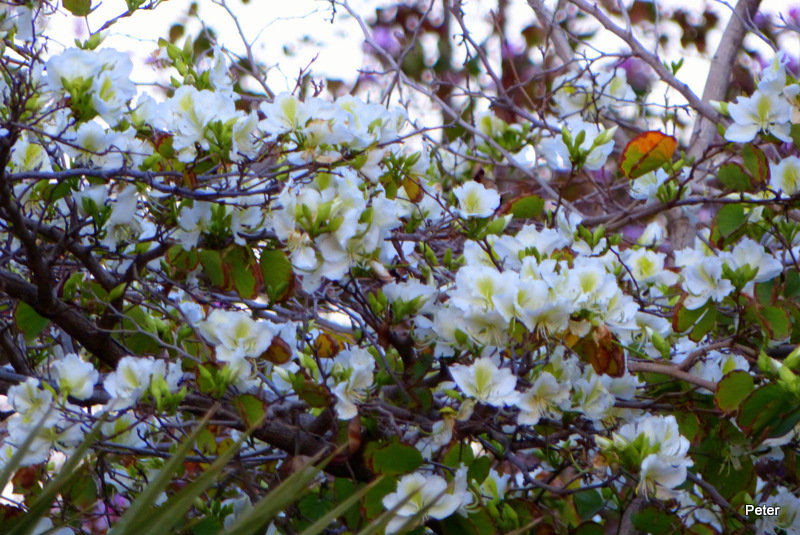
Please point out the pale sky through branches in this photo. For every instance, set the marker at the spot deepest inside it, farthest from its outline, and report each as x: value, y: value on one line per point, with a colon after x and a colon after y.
x: 290, y: 35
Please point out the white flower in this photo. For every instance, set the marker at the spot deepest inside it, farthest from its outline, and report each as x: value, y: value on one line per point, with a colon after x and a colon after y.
x: 353, y: 373
x: 28, y: 156
x: 243, y: 138
x: 71, y: 65
x: 495, y: 485
x: 441, y: 434
x: 45, y: 527
x: 111, y: 93
x: 662, y: 449
x: 647, y: 267
x: 485, y: 382
x: 703, y: 279
x: 748, y: 252
x: 125, y: 429
x: 192, y: 112
x: 474, y: 200
x: 29, y: 400
x: 764, y: 111
x: 646, y: 186
x: 788, y: 517
x: 122, y: 224
x: 74, y: 376
x: 542, y: 399
x: 284, y: 114
x: 592, y: 397
x: 578, y: 95
x: 773, y: 78
x: 426, y: 493
x: 785, y: 175
x: 236, y: 334
x: 659, y: 473
x: 129, y: 381
x: 193, y: 221
x: 477, y: 287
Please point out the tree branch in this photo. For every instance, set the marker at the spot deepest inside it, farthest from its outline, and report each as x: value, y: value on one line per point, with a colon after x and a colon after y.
x: 651, y: 59
x: 553, y: 30
x: 719, y: 75
x: 101, y: 344
x: 672, y: 371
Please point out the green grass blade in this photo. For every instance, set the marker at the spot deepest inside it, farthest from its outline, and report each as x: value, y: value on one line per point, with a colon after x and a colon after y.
x: 137, y: 517
x: 13, y: 463
x: 166, y: 516
x: 379, y: 523
x: 326, y: 520
x: 66, y: 475
x: 289, y: 491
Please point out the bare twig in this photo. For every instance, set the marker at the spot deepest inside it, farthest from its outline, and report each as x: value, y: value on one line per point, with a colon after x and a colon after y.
x: 671, y: 371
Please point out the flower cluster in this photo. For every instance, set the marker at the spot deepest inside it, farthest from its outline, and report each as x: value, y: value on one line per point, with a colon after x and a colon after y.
x: 320, y: 272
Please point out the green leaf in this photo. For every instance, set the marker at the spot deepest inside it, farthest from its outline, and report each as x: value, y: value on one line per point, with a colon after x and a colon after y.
x: 459, y: 454
x: 480, y: 469
x: 212, y: 266
x: 396, y: 459
x: 733, y: 176
x: 250, y: 408
x: 705, y: 324
x: 277, y: 272
x: 243, y: 279
x: 459, y: 525
x: 756, y: 163
x: 182, y: 260
x: 654, y: 521
x: 768, y: 412
x: 529, y: 207
x: 29, y: 322
x: 733, y: 389
x: 730, y: 218
x: 588, y: 503
x: 686, y: 318
x: 776, y: 322
x: 71, y: 286
x: 795, y: 134
x: 117, y: 292
x: 702, y: 529
x: 714, y: 459
x: 373, y: 501
x: 133, y: 5
x: 589, y: 528
x: 316, y: 395
x: 79, y: 8
x: 792, y: 285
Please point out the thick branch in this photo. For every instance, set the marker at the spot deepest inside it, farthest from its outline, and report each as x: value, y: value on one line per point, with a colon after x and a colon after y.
x: 553, y: 30
x: 671, y: 371
x: 719, y: 75
x: 98, y: 342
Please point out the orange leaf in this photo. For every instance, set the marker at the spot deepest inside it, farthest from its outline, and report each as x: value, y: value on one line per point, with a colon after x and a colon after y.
x: 278, y: 352
x: 647, y: 152
x: 326, y: 346
x: 602, y: 350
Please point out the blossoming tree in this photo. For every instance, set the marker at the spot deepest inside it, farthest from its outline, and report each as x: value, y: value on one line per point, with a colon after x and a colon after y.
x: 523, y: 293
